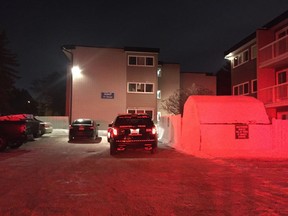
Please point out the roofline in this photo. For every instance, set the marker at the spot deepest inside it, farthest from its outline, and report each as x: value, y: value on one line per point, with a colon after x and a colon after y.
x: 241, y: 43
x: 133, y: 49
x: 142, y: 49
x: 250, y: 37
x: 276, y: 20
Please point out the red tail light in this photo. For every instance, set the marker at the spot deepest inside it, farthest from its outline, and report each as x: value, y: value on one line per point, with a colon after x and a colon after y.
x: 114, y: 132
x: 152, y: 130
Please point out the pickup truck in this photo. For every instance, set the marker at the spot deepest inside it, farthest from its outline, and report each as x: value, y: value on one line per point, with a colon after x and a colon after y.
x: 12, y: 132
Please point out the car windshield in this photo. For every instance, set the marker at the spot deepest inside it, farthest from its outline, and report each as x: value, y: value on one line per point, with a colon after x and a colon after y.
x: 131, y: 120
x: 82, y: 121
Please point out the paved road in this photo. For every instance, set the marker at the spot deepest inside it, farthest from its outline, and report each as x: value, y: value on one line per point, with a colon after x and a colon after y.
x: 50, y: 176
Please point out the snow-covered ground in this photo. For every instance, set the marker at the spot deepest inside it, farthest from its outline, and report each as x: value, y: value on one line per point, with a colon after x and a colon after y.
x: 50, y: 176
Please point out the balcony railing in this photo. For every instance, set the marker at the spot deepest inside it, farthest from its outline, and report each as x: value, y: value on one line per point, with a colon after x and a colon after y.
x: 273, y: 51
x: 277, y: 94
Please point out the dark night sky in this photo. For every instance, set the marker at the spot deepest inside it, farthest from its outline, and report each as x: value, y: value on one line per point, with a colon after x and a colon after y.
x: 194, y: 33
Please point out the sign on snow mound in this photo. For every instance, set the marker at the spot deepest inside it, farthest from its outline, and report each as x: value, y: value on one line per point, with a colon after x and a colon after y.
x: 212, y: 124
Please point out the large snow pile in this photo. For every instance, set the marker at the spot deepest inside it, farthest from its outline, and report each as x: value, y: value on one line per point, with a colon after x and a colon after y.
x: 212, y: 124
x: 226, y: 109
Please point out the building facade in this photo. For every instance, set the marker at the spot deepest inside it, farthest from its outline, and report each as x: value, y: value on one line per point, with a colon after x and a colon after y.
x: 259, y: 66
x: 119, y: 80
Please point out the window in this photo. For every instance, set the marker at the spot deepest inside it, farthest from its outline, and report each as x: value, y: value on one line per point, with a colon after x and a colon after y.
x: 253, y: 51
x: 254, y: 86
x: 241, y: 89
x: 158, y: 94
x: 149, y: 61
x: 134, y: 87
x: 149, y: 87
x: 132, y: 60
x: 241, y: 58
x: 140, y: 87
x: 281, y: 77
x: 159, y: 72
x: 159, y: 116
x: 146, y: 61
x: 148, y: 111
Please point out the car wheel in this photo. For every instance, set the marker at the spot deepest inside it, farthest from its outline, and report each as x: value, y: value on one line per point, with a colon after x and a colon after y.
x: 70, y: 138
x: 113, y: 149
x: 3, y: 143
x: 16, y: 144
x: 154, y: 149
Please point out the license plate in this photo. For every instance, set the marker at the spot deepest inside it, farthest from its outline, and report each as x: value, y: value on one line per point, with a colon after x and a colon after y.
x: 81, y: 128
x: 134, y: 131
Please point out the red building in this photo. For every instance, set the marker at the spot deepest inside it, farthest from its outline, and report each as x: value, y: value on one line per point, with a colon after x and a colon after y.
x: 259, y: 66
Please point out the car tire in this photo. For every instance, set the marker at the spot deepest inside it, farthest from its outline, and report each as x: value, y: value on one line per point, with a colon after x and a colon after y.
x: 113, y: 149
x: 3, y: 143
x: 16, y: 144
x: 154, y: 149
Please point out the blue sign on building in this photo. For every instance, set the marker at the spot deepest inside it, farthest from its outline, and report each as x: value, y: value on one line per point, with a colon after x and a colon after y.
x: 107, y: 95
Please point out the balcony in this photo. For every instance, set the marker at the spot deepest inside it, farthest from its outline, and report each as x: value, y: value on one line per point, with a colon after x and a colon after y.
x: 274, y: 54
x: 274, y: 96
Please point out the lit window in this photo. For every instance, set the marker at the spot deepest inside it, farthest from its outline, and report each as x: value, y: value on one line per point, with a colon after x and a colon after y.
x: 158, y: 94
x: 159, y: 116
x: 159, y: 72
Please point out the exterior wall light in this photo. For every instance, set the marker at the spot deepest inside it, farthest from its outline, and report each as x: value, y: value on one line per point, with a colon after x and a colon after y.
x: 76, y: 71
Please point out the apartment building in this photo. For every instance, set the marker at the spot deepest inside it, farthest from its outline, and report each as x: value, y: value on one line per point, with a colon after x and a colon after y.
x: 259, y: 66
x: 200, y: 79
x: 116, y: 80
x: 103, y: 82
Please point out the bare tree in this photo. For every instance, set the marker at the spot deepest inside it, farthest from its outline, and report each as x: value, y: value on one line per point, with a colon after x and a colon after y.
x: 174, y: 104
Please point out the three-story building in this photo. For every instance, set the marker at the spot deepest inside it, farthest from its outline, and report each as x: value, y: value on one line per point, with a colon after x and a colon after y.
x: 260, y: 66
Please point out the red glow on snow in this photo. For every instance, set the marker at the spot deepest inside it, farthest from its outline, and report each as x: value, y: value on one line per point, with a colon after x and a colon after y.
x: 232, y: 126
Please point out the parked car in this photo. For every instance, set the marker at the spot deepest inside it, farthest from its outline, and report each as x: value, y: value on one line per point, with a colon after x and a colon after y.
x: 33, y: 125
x: 83, y: 128
x: 46, y: 127
x: 132, y: 131
x: 13, y: 132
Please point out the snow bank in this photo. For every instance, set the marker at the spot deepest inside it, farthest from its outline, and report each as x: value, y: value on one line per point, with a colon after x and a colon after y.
x: 225, y: 126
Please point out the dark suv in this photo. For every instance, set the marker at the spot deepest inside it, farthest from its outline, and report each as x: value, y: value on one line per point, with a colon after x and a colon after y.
x: 132, y: 131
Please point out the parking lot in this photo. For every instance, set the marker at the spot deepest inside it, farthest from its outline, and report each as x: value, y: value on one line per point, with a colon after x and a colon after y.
x: 50, y: 176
